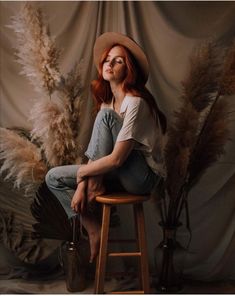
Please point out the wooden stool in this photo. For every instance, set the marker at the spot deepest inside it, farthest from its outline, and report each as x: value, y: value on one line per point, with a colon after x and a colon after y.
x: 120, y: 199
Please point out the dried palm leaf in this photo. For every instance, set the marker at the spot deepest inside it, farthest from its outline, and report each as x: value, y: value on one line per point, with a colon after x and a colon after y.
x: 21, y: 159
x: 36, y: 50
x: 53, y: 222
x: 16, y: 238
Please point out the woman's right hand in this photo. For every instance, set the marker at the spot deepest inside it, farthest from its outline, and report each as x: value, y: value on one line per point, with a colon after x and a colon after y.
x: 78, y: 202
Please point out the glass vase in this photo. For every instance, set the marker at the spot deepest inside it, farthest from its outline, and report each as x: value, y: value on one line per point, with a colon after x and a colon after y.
x: 74, y: 268
x: 169, y: 258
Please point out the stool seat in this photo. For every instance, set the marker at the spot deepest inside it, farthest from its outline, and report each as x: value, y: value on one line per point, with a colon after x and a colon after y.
x: 121, y: 198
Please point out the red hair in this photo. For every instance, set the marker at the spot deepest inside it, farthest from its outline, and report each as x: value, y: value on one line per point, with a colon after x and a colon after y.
x: 133, y: 83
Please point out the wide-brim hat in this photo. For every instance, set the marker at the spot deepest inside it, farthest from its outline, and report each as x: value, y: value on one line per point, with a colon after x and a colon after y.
x: 108, y: 39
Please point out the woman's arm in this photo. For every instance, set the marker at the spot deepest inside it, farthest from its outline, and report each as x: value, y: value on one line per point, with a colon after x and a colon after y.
x: 105, y: 164
x: 78, y: 201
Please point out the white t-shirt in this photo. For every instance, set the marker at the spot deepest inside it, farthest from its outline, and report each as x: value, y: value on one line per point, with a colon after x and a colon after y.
x: 139, y: 125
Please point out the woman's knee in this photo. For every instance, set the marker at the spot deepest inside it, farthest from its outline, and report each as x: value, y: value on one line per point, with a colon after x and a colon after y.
x: 51, y: 178
x: 62, y: 176
x: 106, y: 116
x: 106, y: 112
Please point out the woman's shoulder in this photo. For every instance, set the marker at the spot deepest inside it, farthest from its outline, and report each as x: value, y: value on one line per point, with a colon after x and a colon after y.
x: 131, y: 103
x: 133, y: 100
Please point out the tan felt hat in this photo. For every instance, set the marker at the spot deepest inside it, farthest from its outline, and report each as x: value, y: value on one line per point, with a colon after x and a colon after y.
x: 109, y: 39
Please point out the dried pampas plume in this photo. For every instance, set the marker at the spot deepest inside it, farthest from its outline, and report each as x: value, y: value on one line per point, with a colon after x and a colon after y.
x: 228, y: 75
x: 214, y: 131
x: 36, y: 50
x: 202, y: 81
x: 21, y: 160
x: 200, y: 131
x: 181, y: 138
x: 199, y: 89
x: 55, y: 119
x: 211, y: 143
x: 56, y: 124
x: 72, y: 84
x: 52, y: 129
x: 71, y: 97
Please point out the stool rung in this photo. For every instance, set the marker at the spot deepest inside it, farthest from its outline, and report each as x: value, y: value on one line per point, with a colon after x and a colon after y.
x: 125, y: 254
x: 120, y: 273
x: 127, y: 292
x: 122, y: 240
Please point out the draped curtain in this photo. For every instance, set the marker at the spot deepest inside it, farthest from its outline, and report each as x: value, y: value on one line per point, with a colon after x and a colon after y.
x: 168, y: 33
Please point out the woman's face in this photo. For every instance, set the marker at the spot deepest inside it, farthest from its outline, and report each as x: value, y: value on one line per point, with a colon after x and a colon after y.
x: 114, y: 67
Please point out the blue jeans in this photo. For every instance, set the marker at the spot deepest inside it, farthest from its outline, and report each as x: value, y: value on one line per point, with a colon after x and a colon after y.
x: 134, y: 176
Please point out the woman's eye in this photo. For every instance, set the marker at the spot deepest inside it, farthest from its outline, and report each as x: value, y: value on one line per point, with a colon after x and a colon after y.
x: 114, y: 61
x: 119, y: 61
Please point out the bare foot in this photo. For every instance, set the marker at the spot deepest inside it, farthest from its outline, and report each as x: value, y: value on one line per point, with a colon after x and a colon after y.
x: 93, y: 229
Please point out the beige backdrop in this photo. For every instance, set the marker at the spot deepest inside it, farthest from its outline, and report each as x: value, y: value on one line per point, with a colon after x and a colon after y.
x: 168, y: 31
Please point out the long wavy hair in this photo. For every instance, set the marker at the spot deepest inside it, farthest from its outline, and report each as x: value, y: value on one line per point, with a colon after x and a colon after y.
x: 133, y: 83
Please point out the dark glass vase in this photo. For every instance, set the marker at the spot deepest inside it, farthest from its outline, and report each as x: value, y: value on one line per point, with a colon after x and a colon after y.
x: 73, y: 268
x: 169, y: 258
x: 72, y: 261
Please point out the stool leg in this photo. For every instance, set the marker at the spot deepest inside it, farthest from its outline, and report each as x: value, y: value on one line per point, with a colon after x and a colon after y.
x: 138, y: 246
x: 101, y: 259
x: 138, y: 208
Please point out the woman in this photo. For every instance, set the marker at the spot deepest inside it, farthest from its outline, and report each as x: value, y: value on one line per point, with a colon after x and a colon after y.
x: 125, y: 137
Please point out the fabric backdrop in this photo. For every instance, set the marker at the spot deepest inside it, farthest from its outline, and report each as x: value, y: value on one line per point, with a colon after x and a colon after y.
x: 168, y: 32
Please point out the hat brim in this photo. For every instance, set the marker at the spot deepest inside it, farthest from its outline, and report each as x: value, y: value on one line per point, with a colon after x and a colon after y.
x: 108, y: 39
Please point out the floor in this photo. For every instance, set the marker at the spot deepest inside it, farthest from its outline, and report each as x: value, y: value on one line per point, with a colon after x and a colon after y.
x: 59, y: 287
x: 196, y: 287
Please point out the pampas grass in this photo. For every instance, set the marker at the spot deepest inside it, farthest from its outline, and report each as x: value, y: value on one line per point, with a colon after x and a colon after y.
x: 56, y: 123
x: 211, y: 143
x: 55, y: 115
x: 52, y: 129
x: 71, y: 96
x: 227, y: 83
x: 21, y: 160
x: 181, y: 138
x: 202, y: 80
x: 196, y: 139
x: 198, y: 91
x: 214, y: 131
x: 198, y: 135
x: 36, y: 51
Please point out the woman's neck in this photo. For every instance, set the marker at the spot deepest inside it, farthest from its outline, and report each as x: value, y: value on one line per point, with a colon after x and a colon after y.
x: 118, y: 92
x: 118, y: 96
